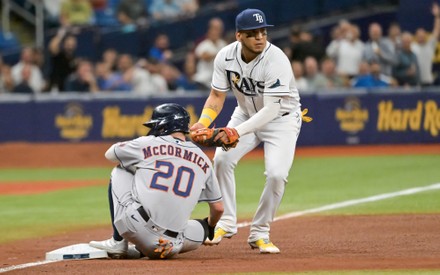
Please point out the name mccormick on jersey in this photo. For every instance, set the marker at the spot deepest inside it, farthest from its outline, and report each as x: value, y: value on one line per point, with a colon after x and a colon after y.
x: 173, y: 151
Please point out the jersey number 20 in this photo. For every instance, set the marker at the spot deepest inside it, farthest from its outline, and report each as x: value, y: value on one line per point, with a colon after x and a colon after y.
x: 177, y: 179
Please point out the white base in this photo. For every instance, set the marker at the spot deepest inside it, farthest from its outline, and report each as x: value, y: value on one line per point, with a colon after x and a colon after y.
x: 76, y: 252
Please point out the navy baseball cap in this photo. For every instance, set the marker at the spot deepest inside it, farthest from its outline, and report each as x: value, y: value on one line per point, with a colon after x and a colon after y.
x: 250, y: 19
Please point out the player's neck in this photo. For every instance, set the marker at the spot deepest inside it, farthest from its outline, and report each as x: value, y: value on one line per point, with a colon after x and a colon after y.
x: 248, y: 56
x: 179, y: 135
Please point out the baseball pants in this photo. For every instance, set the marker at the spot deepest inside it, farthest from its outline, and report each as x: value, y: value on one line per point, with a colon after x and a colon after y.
x: 279, y: 137
x: 134, y: 225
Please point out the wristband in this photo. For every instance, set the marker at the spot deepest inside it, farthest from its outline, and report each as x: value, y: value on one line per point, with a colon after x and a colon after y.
x: 207, y: 117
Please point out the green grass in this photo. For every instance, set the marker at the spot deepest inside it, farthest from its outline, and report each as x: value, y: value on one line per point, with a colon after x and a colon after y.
x: 41, y: 174
x: 313, y: 182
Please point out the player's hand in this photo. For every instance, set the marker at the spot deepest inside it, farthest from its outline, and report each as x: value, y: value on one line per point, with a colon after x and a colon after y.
x: 196, y: 126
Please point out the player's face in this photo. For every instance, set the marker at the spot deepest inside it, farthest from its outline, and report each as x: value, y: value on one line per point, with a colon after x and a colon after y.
x: 253, y: 41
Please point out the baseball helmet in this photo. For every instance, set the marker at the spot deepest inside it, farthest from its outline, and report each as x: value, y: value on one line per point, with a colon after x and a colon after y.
x: 168, y: 118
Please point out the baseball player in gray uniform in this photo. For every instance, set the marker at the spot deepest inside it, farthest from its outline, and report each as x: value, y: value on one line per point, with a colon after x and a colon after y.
x: 260, y: 76
x: 159, y: 180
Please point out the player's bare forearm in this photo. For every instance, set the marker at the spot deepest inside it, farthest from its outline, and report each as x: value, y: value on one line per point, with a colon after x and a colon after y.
x: 215, y: 213
x: 215, y: 101
x: 213, y: 106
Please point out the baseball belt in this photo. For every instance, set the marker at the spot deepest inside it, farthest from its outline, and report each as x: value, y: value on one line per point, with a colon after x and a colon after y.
x: 145, y: 216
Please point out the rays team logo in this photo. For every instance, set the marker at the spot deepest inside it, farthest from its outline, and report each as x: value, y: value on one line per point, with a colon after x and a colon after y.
x: 258, y: 17
x: 352, y: 117
x: 73, y: 123
x: 244, y: 85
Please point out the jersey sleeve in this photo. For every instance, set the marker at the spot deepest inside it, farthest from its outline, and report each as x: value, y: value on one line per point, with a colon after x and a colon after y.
x: 278, y: 75
x: 128, y: 153
x: 212, y: 192
x: 219, y: 79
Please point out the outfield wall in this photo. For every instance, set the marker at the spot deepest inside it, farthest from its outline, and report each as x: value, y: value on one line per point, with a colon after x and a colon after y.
x: 348, y: 117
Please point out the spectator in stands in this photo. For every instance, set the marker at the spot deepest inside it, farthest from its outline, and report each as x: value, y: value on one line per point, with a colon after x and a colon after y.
x: 206, y: 51
x: 107, y: 80
x: 24, y: 86
x: 162, y: 10
x: 36, y: 80
x: 161, y: 49
x: 379, y: 50
x: 298, y: 72
x: 83, y: 79
x: 62, y: 49
x: 6, y: 82
x: 158, y: 82
x: 328, y: 70
x: 424, y: 47
x: 110, y: 58
x: 374, y: 79
x: 186, y: 80
x: 131, y: 13
x: 315, y: 80
x: 406, y: 71
x: 76, y: 13
x: 136, y: 78
x: 347, y: 51
x: 189, y: 7
x: 52, y: 10
x: 303, y: 45
x: 394, y: 35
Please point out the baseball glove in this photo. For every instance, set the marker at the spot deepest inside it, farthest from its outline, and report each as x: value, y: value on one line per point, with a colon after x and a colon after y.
x: 208, y: 137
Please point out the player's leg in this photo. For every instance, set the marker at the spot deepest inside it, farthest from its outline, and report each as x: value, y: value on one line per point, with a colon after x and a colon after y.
x: 119, y: 193
x: 224, y: 166
x: 279, y: 139
x: 195, y: 233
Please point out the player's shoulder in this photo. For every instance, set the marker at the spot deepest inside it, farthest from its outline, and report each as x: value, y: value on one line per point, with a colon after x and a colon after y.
x: 273, y: 51
x: 229, y: 51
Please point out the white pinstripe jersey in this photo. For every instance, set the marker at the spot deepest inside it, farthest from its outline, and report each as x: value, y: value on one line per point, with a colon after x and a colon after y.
x: 270, y: 73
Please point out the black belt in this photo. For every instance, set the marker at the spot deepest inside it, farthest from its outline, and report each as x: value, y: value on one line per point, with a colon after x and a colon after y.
x: 285, y: 114
x: 145, y: 216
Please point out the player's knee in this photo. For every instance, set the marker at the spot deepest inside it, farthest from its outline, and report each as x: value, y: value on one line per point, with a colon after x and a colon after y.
x: 224, y: 162
x: 276, y: 183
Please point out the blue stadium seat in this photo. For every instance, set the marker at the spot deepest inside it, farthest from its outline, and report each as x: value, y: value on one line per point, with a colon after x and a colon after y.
x: 106, y: 17
x: 8, y: 41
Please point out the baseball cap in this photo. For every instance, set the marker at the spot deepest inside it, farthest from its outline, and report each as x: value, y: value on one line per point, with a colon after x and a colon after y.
x: 250, y: 19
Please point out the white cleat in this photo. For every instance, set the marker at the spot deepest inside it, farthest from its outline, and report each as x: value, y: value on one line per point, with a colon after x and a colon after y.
x: 115, y: 249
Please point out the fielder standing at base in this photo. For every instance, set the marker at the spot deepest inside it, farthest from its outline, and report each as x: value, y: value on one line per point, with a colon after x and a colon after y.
x: 260, y: 76
x: 158, y: 182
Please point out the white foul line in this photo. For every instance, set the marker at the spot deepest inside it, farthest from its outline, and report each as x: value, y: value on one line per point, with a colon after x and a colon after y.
x: 337, y: 205
x: 333, y: 206
x: 21, y: 266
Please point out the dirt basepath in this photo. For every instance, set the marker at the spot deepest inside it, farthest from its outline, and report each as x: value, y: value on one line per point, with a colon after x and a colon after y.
x: 25, y: 155
x: 318, y: 243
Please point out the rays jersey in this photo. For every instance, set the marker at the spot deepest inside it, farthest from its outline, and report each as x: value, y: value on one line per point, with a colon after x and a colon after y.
x: 171, y: 177
x: 270, y: 73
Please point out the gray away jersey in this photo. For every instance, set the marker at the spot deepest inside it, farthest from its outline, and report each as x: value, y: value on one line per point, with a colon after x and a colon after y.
x: 171, y: 177
x: 270, y: 73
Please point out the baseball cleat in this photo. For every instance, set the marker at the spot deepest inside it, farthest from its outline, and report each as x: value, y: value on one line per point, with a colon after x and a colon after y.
x: 219, y: 234
x: 265, y: 246
x: 115, y: 249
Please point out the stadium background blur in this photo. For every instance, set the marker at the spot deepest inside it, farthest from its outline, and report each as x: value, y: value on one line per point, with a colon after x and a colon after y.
x: 92, y: 69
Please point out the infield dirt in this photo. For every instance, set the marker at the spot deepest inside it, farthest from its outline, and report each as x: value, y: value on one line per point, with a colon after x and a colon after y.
x: 382, y: 242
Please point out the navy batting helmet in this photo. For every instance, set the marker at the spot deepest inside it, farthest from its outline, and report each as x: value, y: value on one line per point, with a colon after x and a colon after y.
x: 168, y: 118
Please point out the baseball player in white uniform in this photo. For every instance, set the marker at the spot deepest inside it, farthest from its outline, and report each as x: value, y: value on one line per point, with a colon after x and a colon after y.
x: 159, y: 180
x: 260, y: 76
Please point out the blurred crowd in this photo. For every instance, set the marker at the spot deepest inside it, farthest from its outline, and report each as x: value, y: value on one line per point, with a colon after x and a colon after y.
x: 397, y: 59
